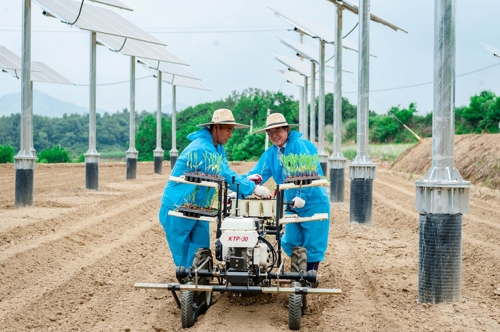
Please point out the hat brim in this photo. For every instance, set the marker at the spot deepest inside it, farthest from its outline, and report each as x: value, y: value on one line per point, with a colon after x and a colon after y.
x: 236, y: 125
x: 275, y: 126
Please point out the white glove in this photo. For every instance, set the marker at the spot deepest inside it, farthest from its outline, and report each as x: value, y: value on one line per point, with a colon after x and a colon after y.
x: 262, y: 192
x: 298, y: 203
x: 232, y: 195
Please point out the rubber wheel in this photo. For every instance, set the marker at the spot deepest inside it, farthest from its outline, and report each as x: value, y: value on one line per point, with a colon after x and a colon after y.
x: 203, y: 299
x: 295, y: 308
x: 299, y: 259
x: 188, y: 308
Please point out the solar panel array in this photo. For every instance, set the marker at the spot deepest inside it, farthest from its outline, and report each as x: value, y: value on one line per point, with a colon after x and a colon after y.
x: 46, y: 74
x: 375, y: 18
x: 495, y: 51
x: 169, y: 68
x: 305, y: 51
x: 310, y: 28
x: 297, y: 79
x: 303, y: 68
x: 184, y: 81
x: 132, y: 47
x: 94, y: 18
x: 113, y: 3
x: 40, y: 72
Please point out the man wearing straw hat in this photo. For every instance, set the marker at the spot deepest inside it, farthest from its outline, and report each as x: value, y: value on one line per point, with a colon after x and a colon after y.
x: 311, y: 235
x: 186, y: 236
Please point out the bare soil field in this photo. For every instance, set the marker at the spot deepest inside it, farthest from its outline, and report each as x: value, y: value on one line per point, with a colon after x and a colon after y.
x: 70, y: 262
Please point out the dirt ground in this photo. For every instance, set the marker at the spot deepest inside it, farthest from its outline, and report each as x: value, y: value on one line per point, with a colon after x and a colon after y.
x: 70, y: 262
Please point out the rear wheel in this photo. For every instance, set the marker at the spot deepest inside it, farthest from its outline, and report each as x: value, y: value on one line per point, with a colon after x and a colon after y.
x: 299, y: 259
x: 295, y: 308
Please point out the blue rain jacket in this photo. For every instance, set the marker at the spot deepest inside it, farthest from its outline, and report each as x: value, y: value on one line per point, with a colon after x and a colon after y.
x: 185, y: 236
x: 312, y: 235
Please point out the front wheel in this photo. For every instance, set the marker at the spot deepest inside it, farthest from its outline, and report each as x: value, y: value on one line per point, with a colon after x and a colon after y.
x: 295, y: 308
x: 188, y: 308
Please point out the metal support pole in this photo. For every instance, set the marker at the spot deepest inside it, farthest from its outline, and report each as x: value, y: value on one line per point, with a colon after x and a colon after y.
x: 301, y: 109
x: 442, y: 196
x: 24, y: 161
x: 174, y: 153
x: 312, y: 111
x: 132, y: 153
x: 32, y: 146
x: 158, y: 152
x: 362, y: 169
x: 92, y: 156
x: 323, y: 157
x: 305, y: 104
x: 337, y: 159
x: 267, y: 138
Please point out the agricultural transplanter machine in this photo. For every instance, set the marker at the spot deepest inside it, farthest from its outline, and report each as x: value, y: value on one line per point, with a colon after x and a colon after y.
x: 248, y: 252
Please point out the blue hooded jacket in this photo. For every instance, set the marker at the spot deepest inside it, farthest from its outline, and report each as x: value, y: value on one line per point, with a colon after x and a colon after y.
x: 311, y: 235
x: 184, y: 235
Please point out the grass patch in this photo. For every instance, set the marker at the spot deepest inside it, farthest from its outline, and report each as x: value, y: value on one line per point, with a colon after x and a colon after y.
x: 382, y: 152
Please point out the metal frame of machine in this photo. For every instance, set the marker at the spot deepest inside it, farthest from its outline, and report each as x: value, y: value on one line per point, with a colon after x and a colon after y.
x: 247, y: 261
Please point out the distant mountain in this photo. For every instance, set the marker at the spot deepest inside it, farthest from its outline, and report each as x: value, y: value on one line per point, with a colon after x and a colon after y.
x: 46, y: 105
x: 43, y: 104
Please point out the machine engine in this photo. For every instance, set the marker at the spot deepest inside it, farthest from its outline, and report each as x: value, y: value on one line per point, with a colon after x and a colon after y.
x: 241, y: 248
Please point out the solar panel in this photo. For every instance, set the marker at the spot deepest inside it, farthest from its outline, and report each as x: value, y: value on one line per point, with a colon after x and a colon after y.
x: 303, y: 68
x: 138, y: 48
x: 495, y: 51
x: 9, y: 60
x: 297, y: 79
x: 113, y: 3
x: 305, y: 51
x: 309, y: 28
x: 354, y: 9
x: 46, y: 74
x: 169, y: 68
x: 185, y: 82
x: 11, y: 63
x: 93, y: 18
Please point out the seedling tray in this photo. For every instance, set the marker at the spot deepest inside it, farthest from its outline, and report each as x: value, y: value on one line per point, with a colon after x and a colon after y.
x: 302, y: 180
x: 196, y: 213
x: 197, y: 178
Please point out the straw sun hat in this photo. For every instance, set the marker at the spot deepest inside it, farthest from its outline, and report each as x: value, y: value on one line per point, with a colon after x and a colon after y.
x: 223, y: 116
x: 275, y: 120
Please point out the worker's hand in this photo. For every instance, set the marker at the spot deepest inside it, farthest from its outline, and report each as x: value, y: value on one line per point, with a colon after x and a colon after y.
x: 262, y: 192
x: 298, y: 203
x: 255, y: 178
x: 232, y: 195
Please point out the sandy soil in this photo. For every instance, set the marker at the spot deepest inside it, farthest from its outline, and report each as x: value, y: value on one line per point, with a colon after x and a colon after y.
x: 70, y: 262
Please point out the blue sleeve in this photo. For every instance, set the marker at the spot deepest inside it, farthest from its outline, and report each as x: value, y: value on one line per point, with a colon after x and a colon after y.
x: 246, y: 187
x: 262, y: 167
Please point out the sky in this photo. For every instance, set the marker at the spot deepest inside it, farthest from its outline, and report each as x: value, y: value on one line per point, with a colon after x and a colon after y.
x: 229, y: 45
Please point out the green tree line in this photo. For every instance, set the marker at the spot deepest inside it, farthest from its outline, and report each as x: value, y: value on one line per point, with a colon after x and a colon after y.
x: 482, y: 115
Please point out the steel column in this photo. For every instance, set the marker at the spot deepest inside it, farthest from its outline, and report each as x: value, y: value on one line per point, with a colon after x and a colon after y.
x: 337, y: 159
x: 24, y: 161
x: 158, y: 152
x: 442, y: 196
x: 174, y: 153
x: 92, y: 156
x: 312, y: 111
x: 362, y: 169
x: 321, y: 110
x: 132, y: 153
x: 305, y: 105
